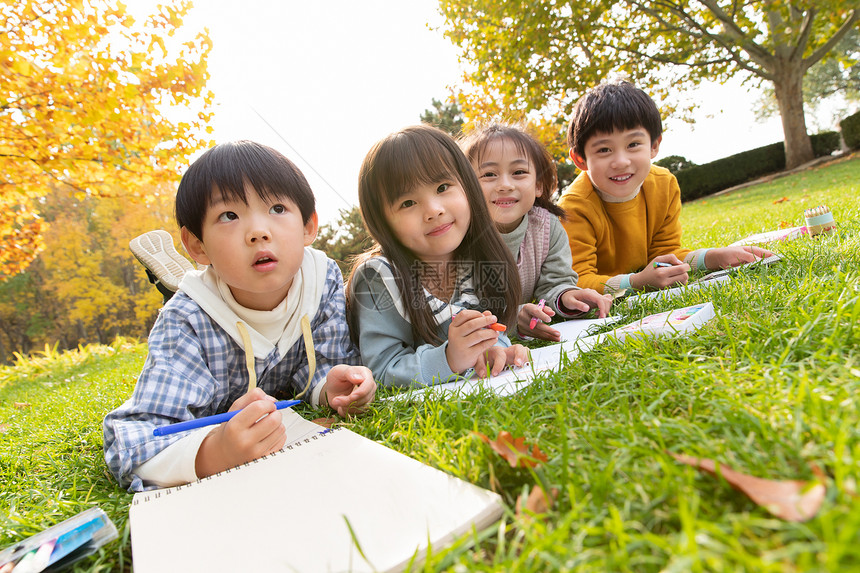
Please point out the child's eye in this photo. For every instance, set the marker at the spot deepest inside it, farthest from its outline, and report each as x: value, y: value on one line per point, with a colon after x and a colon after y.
x: 277, y: 209
x: 227, y: 216
x: 487, y: 175
x: 406, y: 204
x: 603, y: 150
x: 635, y: 144
x: 442, y: 188
x: 521, y: 172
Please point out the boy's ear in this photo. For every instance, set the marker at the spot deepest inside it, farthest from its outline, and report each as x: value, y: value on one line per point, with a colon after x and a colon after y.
x: 578, y: 160
x: 194, y: 246
x: 311, y: 228
x: 655, y: 146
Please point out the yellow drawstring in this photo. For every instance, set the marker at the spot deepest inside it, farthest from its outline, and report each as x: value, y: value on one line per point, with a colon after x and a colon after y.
x: 309, y: 350
x: 249, y: 356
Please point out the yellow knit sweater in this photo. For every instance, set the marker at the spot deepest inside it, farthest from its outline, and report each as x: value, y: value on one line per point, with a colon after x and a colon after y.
x: 609, y: 239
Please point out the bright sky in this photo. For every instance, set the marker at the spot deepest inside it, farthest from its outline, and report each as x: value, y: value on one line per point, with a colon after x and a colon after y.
x: 322, y: 81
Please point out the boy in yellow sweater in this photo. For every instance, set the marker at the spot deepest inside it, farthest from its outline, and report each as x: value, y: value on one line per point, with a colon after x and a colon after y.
x: 622, y: 212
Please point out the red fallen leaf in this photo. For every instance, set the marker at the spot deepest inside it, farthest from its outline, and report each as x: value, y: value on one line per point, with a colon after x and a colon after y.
x: 791, y: 500
x: 21, y: 405
x: 784, y: 199
x: 514, y: 450
x: 785, y: 225
x: 324, y: 422
x: 537, y: 502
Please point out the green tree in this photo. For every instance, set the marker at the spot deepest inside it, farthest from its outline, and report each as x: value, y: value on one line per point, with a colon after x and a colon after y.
x: 446, y: 116
x: 543, y: 54
x: 344, y: 239
x: 674, y: 163
x: 834, y: 76
x: 85, y: 286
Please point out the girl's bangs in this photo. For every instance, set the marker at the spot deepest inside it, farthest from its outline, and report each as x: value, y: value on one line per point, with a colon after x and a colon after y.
x: 504, y: 136
x: 412, y: 159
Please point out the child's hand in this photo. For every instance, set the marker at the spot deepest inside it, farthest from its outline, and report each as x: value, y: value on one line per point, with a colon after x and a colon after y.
x: 497, y: 358
x: 541, y: 330
x: 733, y: 256
x: 348, y: 389
x: 583, y: 300
x: 661, y: 277
x: 255, y: 431
x: 469, y: 338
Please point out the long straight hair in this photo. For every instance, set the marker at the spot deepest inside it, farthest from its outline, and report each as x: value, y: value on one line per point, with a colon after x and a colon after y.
x: 395, y: 166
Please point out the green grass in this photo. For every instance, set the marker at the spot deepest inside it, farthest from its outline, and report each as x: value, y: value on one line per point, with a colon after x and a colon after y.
x: 769, y: 387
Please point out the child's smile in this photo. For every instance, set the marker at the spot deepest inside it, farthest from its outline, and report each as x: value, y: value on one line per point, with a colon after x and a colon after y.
x: 617, y: 163
x: 508, y: 183
x: 431, y: 220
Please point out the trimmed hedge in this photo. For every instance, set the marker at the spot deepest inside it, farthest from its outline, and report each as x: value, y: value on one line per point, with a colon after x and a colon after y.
x: 729, y: 171
x: 850, y: 127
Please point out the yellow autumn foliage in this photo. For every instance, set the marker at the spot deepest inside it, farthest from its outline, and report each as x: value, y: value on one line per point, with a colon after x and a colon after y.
x: 89, y: 101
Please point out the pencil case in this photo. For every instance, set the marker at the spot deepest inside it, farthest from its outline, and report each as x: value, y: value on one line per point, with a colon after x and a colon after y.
x: 59, y: 546
x: 819, y: 220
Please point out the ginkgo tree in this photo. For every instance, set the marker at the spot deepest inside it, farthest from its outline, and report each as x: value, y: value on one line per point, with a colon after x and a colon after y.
x: 539, y: 54
x: 94, y: 101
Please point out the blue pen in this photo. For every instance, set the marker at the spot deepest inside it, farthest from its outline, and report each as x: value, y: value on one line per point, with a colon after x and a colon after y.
x: 211, y: 420
x: 657, y: 264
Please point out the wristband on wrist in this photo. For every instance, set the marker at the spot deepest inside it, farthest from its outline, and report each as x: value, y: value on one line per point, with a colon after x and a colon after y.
x: 625, y: 282
x: 700, y: 259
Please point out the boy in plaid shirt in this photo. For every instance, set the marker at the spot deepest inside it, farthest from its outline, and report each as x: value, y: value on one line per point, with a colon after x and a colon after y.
x: 248, y: 214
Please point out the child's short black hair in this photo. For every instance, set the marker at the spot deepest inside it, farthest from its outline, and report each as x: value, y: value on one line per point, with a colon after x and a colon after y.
x: 612, y: 106
x: 226, y: 169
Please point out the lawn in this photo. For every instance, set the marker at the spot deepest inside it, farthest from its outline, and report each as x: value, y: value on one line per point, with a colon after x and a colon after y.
x: 770, y: 387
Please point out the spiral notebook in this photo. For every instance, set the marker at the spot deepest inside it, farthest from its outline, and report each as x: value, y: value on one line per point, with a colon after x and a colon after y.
x: 329, y: 501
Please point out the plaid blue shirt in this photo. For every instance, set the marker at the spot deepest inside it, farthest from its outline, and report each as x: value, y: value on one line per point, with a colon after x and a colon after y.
x: 194, y: 369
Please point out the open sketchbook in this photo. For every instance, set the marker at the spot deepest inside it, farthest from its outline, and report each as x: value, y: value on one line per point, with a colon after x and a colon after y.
x: 331, y: 500
x: 788, y: 234
x: 708, y: 280
x: 574, y: 334
x: 574, y: 340
x: 725, y: 272
x: 667, y: 293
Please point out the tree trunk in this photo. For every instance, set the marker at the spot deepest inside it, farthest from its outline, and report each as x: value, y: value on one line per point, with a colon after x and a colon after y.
x: 788, y: 87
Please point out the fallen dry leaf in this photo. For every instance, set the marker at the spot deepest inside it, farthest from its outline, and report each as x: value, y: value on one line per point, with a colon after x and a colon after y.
x: 784, y: 199
x: 324, y: 422
x: 514, y: 450
x: 792, y: 500
x: 785, y: 225
x: 21, y: 405
x: 537, y: 502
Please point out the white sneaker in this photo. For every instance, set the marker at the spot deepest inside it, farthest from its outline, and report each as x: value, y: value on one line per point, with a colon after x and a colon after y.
x: 156, y: 252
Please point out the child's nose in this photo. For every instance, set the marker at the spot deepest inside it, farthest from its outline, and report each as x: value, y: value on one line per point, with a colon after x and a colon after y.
x: 258, y: 232
x: 620, y: 160
x: 258, y: 235
x: 433, y: 209
x: 505, y: 182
